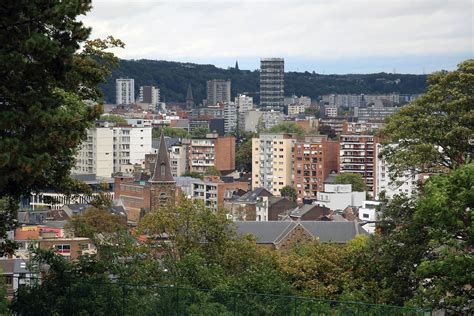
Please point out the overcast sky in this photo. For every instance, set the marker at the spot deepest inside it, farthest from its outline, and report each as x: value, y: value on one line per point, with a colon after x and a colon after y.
x: 330, y: 36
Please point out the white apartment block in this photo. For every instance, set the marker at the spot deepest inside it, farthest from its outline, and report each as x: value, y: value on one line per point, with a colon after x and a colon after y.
x: 406, y: 185
x: 330, y: 111
x: 107, y: 148
x: 368, y: 213
x: 339, y: 196
x: 230, y: 117
x: 96, y: 154
x: 125, y: 91
x: 272, y: 162
x: 243, y: 103
x: 150, y: 95
x: 295, y: 109
x: 178, y: 159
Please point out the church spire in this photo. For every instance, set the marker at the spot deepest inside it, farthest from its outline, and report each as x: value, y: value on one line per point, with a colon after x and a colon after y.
x: 162, y: 170
x: 236, y: 65
x: 189, y: 98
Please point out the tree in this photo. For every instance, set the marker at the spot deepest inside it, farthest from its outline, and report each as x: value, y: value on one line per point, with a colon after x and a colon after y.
x: 289, y: 192
x: 171, y: 132
x: 200, y: 132
x: 3, y: 296
x: 212, y: 171
x: 44, y: 82
x: 193, y: 174
x: 355, y: 179
x: 287, y: 127
x: 243, y: 158
x: 114, y: 119
x: 312, y: 112
x: 436, y: 131
x: 96, y: 221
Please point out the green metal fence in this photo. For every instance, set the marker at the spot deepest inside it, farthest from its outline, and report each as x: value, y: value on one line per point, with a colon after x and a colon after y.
x: 126, y: 299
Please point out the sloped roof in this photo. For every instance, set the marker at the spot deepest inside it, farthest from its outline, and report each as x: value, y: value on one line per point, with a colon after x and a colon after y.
x: 252, y: 196
x: 272, y: 232
x: 162, y: 170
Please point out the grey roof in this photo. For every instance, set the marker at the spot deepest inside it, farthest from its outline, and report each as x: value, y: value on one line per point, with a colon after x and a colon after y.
x: 330, y: 178
x: 272, y: 232
x: 252, y: 196
x: 169, y: 141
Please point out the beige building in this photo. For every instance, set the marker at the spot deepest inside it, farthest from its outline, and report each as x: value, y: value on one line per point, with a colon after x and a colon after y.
x: 272, y: 162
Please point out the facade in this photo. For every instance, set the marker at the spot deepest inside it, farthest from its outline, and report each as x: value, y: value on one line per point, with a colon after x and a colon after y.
x: 218, y: 91
x: 368, y: 213
x: 406, y: 185
x: 313, y: 160
x: 125, y: 91
x: 178, y: 159
x: 150, y: 95
x: 243, y: 103
x: 378, y: 113
x: 212, y: 151
x: 330, y: 111
x: 339, y: 196
x: 357, y: 155
x: 269, y: 208
x: 272, y: 83
x: 108, y: 147
x: 272, y: 162
x: 295, y: 109
x: 162, y: 183
x: 230, y: 117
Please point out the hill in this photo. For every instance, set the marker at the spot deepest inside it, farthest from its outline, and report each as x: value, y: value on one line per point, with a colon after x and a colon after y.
x: 173, y: 77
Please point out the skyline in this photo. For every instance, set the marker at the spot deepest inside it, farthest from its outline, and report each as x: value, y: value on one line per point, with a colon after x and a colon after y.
x: 406, y: 37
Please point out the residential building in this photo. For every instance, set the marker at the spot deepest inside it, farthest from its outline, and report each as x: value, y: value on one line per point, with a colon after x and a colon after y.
x: 339, y: 125
x: 244, y: 207
x: 272, y: 74
x: 125, y: 91
x: 131, y: 144
x: 308, y: 212
x: 406, y: 185
x: 368, y: 213
x: 296, y: 108
x: 357, y: 155
x: 150, y: 95
x: 375, y: 113
x: 271, y: 118
x: 283, y: 235
x: 313, y: 160
x: 269, y: 208
x: 230, y: 117
x: 211, y: 151
x: 363, y: 127
x: 330, y: 111
x: 392, y: 99
x: 339, y: 196
x: 218, y: 91
x: 243, y: 103
x: 272, y: 161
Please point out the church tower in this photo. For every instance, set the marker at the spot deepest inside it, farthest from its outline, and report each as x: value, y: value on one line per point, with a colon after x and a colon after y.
x: 189, y: 98
x: 162, y: 184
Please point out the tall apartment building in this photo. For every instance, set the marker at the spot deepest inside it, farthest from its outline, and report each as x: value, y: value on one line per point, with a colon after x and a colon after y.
x: 243, y: 103
x: 108, y: 148
x: 218, y: 91
x: 230, y: 117
x: 178, y: 159
x: 211, y: 151
x: 272, y: 162
x: 96, y: 155
x: 357, y: 155
x: 150, y: 95
x: 125, y: 91
x: 272, y: 83
x: 406, y: 184
x: 313, y: 160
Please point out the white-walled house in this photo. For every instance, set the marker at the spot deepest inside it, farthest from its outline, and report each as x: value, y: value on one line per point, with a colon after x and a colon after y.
x: 339, y: 196
x: 368, y: 213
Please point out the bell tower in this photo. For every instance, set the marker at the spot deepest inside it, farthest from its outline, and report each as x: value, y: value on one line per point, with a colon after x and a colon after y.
x: 162, y: 184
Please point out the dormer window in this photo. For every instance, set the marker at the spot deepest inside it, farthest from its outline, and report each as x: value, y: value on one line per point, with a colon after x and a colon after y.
x: 163, y: 169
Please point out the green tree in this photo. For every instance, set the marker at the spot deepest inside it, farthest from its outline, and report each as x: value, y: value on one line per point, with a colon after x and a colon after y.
x: 312, y: 112
x: 3, y: 296
x: 171, y: 132
x: 287, y: 127
x: 289, y: 192
x: 193, y: 174
x: 95, y: 221
x: 436, y: 131
x: 243, y: 157
x: 45, y: 79
x: 114, y: 119
x: 355, y: 179
x: 212, y: 171
x: 200, y: 132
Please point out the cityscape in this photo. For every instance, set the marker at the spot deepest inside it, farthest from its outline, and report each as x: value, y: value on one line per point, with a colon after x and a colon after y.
x: 150, y: 187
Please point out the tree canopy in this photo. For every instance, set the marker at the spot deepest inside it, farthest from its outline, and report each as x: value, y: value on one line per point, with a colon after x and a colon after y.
x: 289, y: 192
x: 114, y: 119
x: 355, y: 179
x: 49, y: 92
x: 287, y: 127
x: 436, y: 131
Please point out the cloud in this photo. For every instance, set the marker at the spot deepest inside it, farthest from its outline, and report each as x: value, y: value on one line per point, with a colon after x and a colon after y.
x: 335, y: 29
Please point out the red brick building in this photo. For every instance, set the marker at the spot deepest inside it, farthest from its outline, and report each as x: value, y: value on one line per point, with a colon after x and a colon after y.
x: 314, y: 159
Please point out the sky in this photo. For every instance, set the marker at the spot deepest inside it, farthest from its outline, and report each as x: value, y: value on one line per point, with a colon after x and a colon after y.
x: 330, y: 36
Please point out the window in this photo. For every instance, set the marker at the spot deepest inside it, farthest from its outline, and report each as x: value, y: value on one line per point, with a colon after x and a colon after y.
x: 365, y: 215
x: 63, y: 248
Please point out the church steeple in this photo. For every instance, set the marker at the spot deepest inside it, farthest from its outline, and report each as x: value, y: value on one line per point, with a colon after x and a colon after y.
x: 236, y: 65
x: 162, y: 184
x: 189, y: 98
